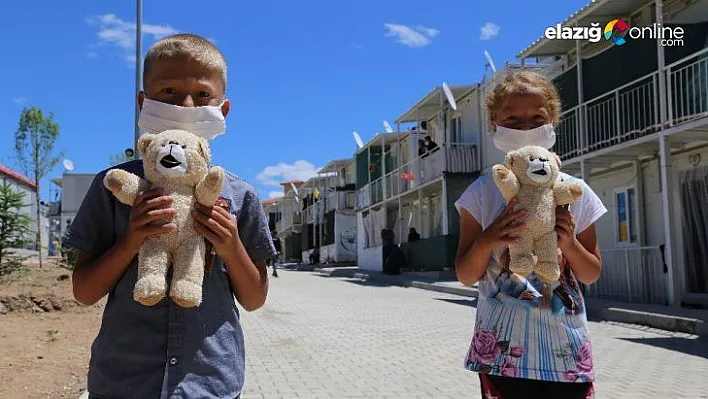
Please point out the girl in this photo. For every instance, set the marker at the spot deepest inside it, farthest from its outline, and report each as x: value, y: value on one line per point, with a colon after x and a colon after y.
x: 530, y: 340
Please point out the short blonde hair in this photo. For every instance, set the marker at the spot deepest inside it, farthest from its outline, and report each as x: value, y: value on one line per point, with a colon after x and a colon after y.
x: 523, y: 82
x: 187, y: 45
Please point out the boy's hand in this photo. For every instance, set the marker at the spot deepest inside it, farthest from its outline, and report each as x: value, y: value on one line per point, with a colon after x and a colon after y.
x: 218, y: 226
x: 149, y: 207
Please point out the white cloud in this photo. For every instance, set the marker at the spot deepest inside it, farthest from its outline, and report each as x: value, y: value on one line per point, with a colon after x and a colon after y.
x: 19, y: 100
x: 116, y: 32
x: 91, y: 54
x: 488, y: 31
x: 275, y: 174
x: 418, y: 36
x: 275, y: 194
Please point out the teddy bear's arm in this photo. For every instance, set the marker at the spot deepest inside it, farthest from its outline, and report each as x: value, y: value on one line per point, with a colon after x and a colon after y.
x: 506, y: 181
x: 209, y: 188
x: 565, y: 193
x: 124, y: 185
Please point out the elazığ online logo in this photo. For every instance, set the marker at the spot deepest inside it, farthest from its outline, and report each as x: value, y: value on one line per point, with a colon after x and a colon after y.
x: 618, y: 31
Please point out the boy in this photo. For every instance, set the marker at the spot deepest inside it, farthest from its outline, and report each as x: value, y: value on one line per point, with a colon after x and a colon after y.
x: 165, y: 350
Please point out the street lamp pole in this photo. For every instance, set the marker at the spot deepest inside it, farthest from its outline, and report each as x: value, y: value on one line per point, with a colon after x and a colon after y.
x: 138, y: 68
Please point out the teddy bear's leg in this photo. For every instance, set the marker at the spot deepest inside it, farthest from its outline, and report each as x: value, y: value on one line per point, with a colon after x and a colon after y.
x: 188, y: 272
x: 547, y: 268
x: 521, y: 257
x: 153, y: 262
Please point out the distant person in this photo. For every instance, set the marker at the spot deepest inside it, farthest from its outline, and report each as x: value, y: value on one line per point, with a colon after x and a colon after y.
x: 430, y: 145
x: 421, y: 148
x: 315, y: 256
x: 413, y: 235
x: 278, y: 250
x: 388, y: 241
x: 423, y: 125
x: 544, y: 353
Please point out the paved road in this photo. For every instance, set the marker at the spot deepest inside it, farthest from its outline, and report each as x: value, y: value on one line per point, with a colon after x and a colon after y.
x: 320, y: 337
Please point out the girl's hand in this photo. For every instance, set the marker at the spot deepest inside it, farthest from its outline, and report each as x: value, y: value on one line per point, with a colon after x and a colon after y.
x: 506, y: 227
x: 565, y: 228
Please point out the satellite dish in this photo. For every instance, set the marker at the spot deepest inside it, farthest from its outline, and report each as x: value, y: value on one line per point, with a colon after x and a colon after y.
x: 388, y: 127
x: 68, y: 164
x: 490, y: 62
x: 357, y: 138
x: 297, y: 195
x: 450, y: 97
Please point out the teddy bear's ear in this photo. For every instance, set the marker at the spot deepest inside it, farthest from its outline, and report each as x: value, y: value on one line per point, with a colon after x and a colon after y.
x: 144, y: 142
x: 204, y: 149
x: 558, y: 160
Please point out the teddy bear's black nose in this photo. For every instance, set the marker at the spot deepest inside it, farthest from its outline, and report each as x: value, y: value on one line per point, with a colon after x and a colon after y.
x: 173, y: 142
x: 543, y: 159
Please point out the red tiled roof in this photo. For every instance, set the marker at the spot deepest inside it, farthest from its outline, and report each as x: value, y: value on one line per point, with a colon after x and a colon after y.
x: 270, y: 201
x: 295, y: 182
x: 18, y: 177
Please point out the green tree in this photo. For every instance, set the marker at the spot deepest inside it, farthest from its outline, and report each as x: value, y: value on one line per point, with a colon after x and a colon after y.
x: 14, y: 229
x: 34, y: 147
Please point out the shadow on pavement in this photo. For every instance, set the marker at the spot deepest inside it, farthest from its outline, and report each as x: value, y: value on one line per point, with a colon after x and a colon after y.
x: 471, y: 302
x: 695, y: 346
x: 368, y: 283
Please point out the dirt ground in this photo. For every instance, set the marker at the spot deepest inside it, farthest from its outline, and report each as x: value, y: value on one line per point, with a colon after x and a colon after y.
x: 45, y: 336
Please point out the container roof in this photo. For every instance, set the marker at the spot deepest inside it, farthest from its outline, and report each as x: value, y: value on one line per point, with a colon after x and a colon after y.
x: 429, y: 105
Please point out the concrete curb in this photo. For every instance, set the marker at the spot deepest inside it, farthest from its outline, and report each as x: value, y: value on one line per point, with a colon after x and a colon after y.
x: 655, y: 320
x: 402, y: 282
x: 461, y: 291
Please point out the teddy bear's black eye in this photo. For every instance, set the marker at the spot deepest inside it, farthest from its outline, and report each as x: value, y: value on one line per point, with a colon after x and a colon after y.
x: 184, y: 147
x: 531, y: 159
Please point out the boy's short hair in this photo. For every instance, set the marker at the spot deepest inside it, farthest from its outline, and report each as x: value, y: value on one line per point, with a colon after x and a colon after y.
x: 187, y: 45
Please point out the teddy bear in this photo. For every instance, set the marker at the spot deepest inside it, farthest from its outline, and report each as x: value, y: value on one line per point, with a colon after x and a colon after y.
x: 178, y: 162
x: 531, y: 175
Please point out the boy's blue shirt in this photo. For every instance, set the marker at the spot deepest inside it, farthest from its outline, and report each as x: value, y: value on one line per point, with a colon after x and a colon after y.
x: 199, y: 352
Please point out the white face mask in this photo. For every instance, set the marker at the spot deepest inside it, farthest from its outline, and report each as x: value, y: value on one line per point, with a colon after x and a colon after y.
x: 506, y: 139
x: 156, y: 117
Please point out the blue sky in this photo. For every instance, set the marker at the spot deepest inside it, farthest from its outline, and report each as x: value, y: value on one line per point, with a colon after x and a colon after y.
x: 302, y: 75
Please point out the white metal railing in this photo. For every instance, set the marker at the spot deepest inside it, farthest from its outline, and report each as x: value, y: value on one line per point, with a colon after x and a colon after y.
x: 340, y: 200
x: 635, y: 274
x: 632, y: 110
x: 687, y: 88
x: 461, y: 158
x: 625, y: 113
x: 568, y: 134
x: 289, y: 217
x: 376, y: 191
x: 315, y: 212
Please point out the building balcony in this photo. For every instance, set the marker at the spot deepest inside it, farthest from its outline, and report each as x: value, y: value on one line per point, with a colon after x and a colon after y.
x: 334, y: 201
x: 421, y: 171
x: 54, y: 209
x: 340, y: 201
x: 288, y: 221
x: 632, y: 111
